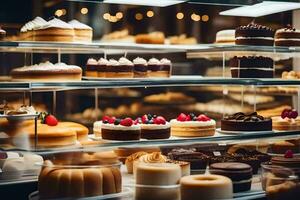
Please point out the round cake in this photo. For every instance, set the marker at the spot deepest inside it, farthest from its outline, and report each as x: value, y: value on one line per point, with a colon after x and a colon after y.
x: 154, y: 127
x: 91, y: 68
x: 254, y: 34
x: 289, y: 120
x: 287, y: 37
x: 81, y: 131
x: 288, y: 161
x: 192, y: 126
x: 246, y: 122
x: 225, y: 36
x: 159, y: 68
x: 239, y: 173
x: 72, y: 182
x: 207, y: 187
x: 251, y: 67
x: 47, y: 72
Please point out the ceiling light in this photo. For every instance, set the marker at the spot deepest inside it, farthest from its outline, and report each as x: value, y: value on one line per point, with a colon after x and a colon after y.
x: 138, y: 16
x: 150, y: 13
x: 195, y: 17
x: 84, y: 11
x: 119, y: 15
x: 64, y: 12
x: 261, y: 9
x: 158, y: 3
x: 58, y: 13
x: 205, y: 18
x: 180, y: 15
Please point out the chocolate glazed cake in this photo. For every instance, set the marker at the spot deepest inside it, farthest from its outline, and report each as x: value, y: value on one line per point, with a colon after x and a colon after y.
x: 246, y: 122
x: 251, y: 67
x: 254, y: 34
x: 287, y: 37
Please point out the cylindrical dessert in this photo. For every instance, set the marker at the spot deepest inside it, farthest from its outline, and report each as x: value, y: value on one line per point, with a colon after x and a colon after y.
x: 119, y: 69
x: 91, y: 68
x: 185, y: 167
x: 206, y: 187
x: 157, y: 181
x: 131, y: 159
x: 158, y: 69
x: 154, y: 127
x: 239, y: 173
x: 101, y: 69
x: 192, y: 126
x: 140, y: 68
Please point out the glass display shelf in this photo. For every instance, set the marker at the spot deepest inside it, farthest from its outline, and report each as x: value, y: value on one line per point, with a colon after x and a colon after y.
x: 149, y: 82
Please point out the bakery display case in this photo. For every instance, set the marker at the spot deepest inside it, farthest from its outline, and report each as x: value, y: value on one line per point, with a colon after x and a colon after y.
x: 145, y: 116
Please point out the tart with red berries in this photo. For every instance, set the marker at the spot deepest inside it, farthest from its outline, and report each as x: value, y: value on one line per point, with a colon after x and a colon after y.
x: 154, y: 127
x: 191, y: 125
x: 289, y: 120
x: 120, y: 129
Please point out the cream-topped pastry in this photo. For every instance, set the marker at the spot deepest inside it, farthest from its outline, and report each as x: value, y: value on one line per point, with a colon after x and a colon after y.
x: 91, y: 68
x: 47, y: 72
x: 119, y: 69
x: 140, y: 68
x: 289, y: 120
x: 157, y: 68
x: 83, y: 32
x: 225, y: 36
x: 192, y: 126
x: 54, y: 30
x: 120, y: 129
x: 154, y: 127
x: 102, y: 67
x: 27, y: 31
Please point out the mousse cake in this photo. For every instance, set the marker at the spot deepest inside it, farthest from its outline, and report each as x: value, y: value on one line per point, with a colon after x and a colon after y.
x: 287, y: 37
x: 154, y: 127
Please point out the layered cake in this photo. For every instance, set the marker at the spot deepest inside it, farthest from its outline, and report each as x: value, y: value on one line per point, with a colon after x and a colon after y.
x: 150, y: 38
x: 225, y: 36
x: 54, y: 30
x: 289, y: 160
x: 77, y: 182
x: 154, y: 127
x: 289, y: 120
x: 120, y: 129
x: 251, y: 67
x: 119, y: 69
x: 83, y: 32
x: 246, y: 122
x: 157, y: 181
x: 158, y: 69
x: 287, y: 37
x: 101, y: 68
x: 47, y: 72
x: 81, y: 130
x: 207, y: 187
x: 91, y: 68
x: 254, y: 34
x: 192, y: 126
x: 239, y: 173
x: 140, y: 68
x: 27, y: 31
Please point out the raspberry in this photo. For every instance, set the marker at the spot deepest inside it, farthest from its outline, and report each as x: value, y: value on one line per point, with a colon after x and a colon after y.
x: 182, y: 117
x: 112, y: 120
x: 285, y: 113
x: 126, y: 122
x: 144, y: 119
x: 159, y: 120
x: 105, y: 118
x: 289, y: 154
x: 293, y: 114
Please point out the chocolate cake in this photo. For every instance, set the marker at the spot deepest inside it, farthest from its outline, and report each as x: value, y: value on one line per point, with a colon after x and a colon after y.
x: 154, y: 127
x: 288, y: 161
x: 287, y: 37
x: 251, y: 67
x: 246, y: 122
x: 254, y: 34
x: 239, y: 173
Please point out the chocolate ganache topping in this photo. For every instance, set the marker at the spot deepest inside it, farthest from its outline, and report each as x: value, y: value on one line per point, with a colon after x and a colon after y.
x: 253, y: 117
x: 254, y: 30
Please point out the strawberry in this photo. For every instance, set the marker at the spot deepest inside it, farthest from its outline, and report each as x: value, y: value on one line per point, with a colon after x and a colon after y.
x: 105, y: 118
x: 182, y: 117
x: 159, y: 120
x: 50, y: 120
x: 126, y: 122
x: 188, y: 118
x: 203, y: 118
x: 144, y: 119
x: 289, y: 154
x: 112, y: 120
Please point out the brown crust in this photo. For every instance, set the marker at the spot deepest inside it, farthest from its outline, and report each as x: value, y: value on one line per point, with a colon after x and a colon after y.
x: 47, y: 78
x: 119, y: 74
x: 47, y: 72
x: 54, y: 32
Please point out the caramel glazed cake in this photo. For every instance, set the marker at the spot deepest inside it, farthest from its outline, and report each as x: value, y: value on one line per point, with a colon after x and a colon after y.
x: 47, y: 72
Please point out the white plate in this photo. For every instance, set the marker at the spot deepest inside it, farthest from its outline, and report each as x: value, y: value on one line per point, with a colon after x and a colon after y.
x: 242, y: 132
x: 125, y: 194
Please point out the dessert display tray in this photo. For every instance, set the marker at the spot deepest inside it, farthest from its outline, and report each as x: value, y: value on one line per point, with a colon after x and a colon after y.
x: 126, y: 194
x: 182, y: 77
x: 242, y: 132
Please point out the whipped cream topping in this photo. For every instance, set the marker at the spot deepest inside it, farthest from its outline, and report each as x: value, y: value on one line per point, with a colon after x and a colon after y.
x: 226, y: 33
x: 55, y: 23
x: 165, y: 61
x: 102, y: 61
x: 254, y: 38
x: 139, y: 61
x: 92, y: 61
x: 28, y: 109
x: 153, y: 61
x: 34, y: 24
x: 120, y: 127
x: 155, y: 126
x: 44, y: 66
x: 192, y: 123
x: 113, y: 62
x: 78, y: 25
x: 125, y: 61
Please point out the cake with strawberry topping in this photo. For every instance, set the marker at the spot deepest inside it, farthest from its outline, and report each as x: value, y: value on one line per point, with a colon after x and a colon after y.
x: 289, y: 160
x: 113, y: 128
x: 154, y: 127
x: 191, y: 125
x: 289, y: 120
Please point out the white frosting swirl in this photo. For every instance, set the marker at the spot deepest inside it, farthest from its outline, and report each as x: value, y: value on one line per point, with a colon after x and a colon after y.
x: 92, y: 61
x: 78, y: 25
x: 165, y: 61
x: 125, y: 61
x: 55, y: 23
x: 154, y: 61
x: 34, y: 24
x: 102, y: 61
x: 113, y: 62
x: 139, y: 61
x: 47, y: 66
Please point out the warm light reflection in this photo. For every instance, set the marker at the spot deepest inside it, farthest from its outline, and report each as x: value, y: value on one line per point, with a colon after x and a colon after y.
x: 150, y: 13
x: 58, y: 13
x: 205, y: 18
x: 106, y: 16
x: 138, y: 16
x: 119, y: 15
x: 64, y: 12
x: 84, y: 11
x: 195, y: 17
x: 180, y: 15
